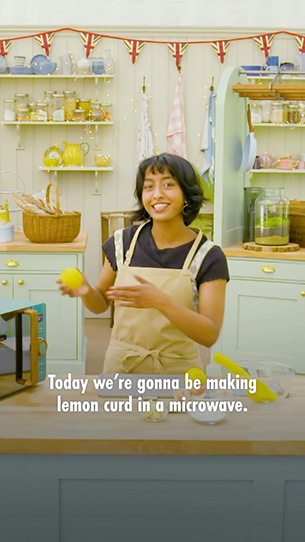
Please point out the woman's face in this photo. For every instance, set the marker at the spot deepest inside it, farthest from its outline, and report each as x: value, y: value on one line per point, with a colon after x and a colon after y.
x: 162, y: 196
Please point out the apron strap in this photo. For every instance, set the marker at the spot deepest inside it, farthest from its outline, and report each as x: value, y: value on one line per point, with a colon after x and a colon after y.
x: 132, y: 245
x: 119, y: 246
x: 192, y: 251
x: 194, y: 268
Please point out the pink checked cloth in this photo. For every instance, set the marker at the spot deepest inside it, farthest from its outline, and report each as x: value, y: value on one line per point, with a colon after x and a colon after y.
x: 176, y: 127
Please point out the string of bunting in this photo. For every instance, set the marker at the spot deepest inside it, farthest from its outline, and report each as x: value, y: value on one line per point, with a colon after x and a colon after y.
x: 134, y: 46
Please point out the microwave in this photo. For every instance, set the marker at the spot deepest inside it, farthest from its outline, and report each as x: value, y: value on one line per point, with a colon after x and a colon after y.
x: 23, y: 345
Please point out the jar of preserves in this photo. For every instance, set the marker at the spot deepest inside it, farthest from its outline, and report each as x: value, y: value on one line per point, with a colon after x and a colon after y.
x: 58, y: 113
x: 256, y: 113
x: 96, y: 112
x: 272, y: 218
x: 293, y: 114
x: 277, y: 112
x: 70, y: 104
x: 22, y: 100
x: 79, y: 115
x: 9, y: 113
x: 23, y: 114
x: 84, y: 103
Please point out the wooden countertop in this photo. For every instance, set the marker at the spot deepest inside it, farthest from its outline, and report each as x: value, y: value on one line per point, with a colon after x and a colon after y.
x: 29, y: 423
x: 238, y: 252
x: 22, y: 244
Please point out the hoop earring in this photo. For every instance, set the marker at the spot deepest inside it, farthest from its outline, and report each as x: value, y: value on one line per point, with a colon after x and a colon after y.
x: 184, y: 209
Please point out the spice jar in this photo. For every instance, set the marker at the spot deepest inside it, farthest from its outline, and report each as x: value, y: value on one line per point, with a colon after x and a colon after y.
x: 22, y: 100
x: 272, y: 218
x: 9, y: 113
x: 79, y: 115
x: 23, y: 114
x: 96, y: 112
x: 293, y: 114
x: 277, y: 112
x: 70, y: 104
x: 256, y: 113
x: 58, y: 113
x: 84, y: 103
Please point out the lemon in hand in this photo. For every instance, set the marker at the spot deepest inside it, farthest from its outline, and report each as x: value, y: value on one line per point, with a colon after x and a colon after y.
x: 195, y: 373
x: 71, y: 277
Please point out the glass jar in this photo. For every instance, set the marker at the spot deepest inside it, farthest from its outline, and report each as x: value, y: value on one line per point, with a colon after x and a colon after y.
x: 48, y: 99
x: 84, y: 103
x: 23, y: 114
x: 277, y: 112
x: 96, y: 112
x: 22, y: 100
x: 58, y: 113
x: 70, y: 104
x: 272, y: 218
x: 256, y: 113
x: 293, y: 114
x: 9, y: 113
x: 41, y: 109
x: 302, y: 112
x: 106, y: 114
x: 250, y: 195
x: 79, y: 115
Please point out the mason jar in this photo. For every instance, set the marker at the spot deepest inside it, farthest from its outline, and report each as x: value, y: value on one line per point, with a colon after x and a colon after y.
x: 22, y: 100
x: 256, y: 113
x: 277, y: 113
x: 58, y: 112
x: 79, y: 115
x: 272, y: 218
x: 23, y: 114
x: 96, y: 112
x: 293, y: 114
x: 70, y: 104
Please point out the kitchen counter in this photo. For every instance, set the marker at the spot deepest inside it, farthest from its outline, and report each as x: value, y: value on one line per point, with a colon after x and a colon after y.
x: 29, y: 423
x: 23, y: 244
x: 238, y: 251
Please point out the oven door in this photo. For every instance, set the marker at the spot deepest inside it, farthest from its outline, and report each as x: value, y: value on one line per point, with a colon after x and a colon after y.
x: 19, y: 350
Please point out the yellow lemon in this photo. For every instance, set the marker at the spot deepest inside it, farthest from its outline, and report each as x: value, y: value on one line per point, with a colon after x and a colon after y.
x: 195, y: 372
x: 71, y: 277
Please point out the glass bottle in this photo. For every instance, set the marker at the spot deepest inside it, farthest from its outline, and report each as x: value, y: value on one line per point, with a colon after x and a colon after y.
x: 58, y: 113
x: 272, y: 218
x: 9, y: 113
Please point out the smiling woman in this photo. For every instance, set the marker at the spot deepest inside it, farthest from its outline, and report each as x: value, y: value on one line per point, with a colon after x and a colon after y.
x: 166, y: 279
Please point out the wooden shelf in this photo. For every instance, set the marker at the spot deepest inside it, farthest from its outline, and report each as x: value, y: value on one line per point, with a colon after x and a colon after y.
x: 270, y: 91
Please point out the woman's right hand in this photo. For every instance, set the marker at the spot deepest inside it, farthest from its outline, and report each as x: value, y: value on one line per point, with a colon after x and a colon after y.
x: 82, y: 290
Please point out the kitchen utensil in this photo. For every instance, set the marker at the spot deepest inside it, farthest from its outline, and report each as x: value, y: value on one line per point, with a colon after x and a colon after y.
x: 277, y: 376
x: 249, y: 150
x: 262, y: 393
x: 74, y: 153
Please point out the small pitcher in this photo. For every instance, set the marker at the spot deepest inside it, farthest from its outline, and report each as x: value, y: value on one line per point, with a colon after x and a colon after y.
x: 74, y: 153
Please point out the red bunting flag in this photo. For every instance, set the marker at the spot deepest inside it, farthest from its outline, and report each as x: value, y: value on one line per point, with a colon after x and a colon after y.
x: 301, y: 43
x: 133, y: 48
x: 45, y: 41
x: 221, y: 48
x: 177, y: 50
x: 264, y: 42
x: 90, y: 40
x: 4, y: 46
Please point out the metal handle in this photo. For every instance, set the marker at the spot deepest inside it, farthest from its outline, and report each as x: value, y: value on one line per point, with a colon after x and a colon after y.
x: 302, y: 294
x: 11, y: 263
x: 20, y: 282
x: 268, y: 269
x: 4, y: 282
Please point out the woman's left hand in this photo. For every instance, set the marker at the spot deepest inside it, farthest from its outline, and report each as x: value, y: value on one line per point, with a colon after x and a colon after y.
x: 144, y: 295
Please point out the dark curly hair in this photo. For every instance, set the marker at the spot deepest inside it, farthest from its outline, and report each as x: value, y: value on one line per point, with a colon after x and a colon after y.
x: 183, y: 172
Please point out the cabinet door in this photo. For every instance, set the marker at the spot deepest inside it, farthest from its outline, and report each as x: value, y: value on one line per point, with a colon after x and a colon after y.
x: 61, y: 313
x: 265, y: 321
x: 6, y: 285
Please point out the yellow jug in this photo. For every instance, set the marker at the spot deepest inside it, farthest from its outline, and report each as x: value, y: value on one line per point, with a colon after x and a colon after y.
x: 74, y: 153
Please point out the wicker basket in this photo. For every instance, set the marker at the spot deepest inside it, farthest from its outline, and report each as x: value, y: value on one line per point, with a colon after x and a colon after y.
x: 57, y: 228
x: 297, y: 222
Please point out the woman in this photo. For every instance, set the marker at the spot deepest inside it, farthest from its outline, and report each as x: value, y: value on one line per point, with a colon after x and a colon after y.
x: 167, y: 281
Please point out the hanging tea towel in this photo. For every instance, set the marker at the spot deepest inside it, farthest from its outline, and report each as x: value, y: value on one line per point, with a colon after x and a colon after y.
x: 176, y: 126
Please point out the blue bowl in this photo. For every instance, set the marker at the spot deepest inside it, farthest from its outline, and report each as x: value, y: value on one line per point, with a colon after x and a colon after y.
x: 252, y: 68
x: 47, y: 67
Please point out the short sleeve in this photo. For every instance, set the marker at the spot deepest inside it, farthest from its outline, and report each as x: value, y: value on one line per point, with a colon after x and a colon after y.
x: 213, y: 267
x: 108, y: 246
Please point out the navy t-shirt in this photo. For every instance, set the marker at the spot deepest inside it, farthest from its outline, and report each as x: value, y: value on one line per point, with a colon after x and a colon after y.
x: 146, y: 254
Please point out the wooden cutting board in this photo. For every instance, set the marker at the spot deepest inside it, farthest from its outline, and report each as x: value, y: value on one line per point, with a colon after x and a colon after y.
x: 291, y: 247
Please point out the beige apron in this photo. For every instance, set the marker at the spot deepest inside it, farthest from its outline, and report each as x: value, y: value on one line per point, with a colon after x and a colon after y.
x: 143, y: 340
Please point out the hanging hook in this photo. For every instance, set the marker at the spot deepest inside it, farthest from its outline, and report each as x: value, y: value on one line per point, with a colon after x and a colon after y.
x: 143, y: 87
x: 179, y: 67
x: 212, y: 83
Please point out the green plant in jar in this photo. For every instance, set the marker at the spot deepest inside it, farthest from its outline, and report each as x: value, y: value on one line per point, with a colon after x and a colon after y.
x: 272, y: 218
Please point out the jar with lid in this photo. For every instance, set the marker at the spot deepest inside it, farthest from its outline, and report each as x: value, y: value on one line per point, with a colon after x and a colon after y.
x: 23, y: 114
x: 9, y: 113
x: 79, y: 115
x: 84, y: 103
x: 96, y: 112
x: 41, y: 109
x: 22, y: 100
x: 277, y: 112
x: 272, y: 218
x: 70, y: 104
x: 256, y: 113
x: 58, y: 112
x: 48, y: 99
x: 293, y: 113
x: 302, y: 112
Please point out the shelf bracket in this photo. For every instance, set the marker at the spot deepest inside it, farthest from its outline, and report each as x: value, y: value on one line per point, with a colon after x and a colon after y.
x: 96, y: 138
x: 20, y: 146
x: 97, y: 191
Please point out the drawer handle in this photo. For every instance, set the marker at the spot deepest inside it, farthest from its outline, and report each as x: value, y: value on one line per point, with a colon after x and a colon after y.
x: 20, y: 282
x: 302, y: 294
x: 11, y: 263
x: 4, y: 282
x: 268, y: 269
